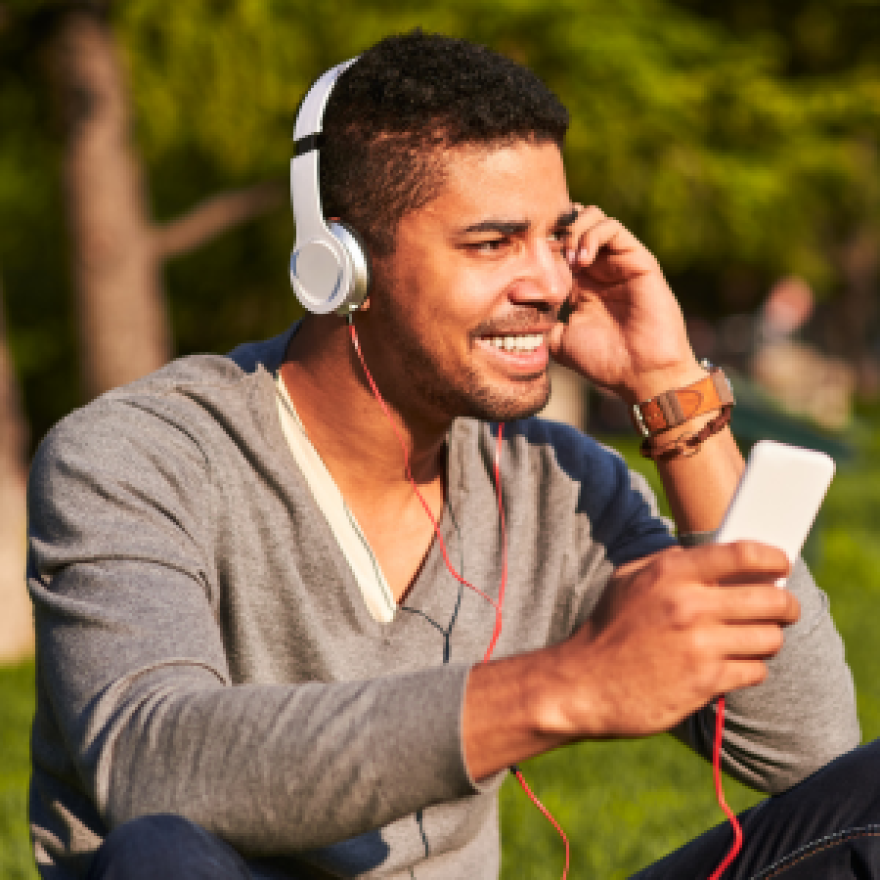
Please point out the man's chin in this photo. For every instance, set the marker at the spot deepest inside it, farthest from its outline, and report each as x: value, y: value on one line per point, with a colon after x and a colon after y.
x: 493, y: 406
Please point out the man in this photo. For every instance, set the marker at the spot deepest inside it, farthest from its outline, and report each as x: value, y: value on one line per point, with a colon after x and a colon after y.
x: 219, y: 685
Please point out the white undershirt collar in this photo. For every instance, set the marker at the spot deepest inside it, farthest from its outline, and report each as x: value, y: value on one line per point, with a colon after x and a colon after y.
x: 351, y: 539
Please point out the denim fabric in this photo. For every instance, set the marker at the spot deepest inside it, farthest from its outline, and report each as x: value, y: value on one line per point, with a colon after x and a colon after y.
x: 825, y: 828
x: 166, y: 847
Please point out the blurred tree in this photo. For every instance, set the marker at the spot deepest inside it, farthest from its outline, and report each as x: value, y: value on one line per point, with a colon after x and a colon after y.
x: 693, y: 133
x: 117, y: 253
x: 830, y: 51
x: 813, y: 37
x: 123, y: 329
x: 16, y: 627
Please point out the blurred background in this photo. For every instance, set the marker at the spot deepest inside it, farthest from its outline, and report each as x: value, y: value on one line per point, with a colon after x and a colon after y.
x: 144, y: 214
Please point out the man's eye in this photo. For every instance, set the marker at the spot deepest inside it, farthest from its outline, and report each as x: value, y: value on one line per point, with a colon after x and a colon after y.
x: 558, y: 238
x: 488, y: 246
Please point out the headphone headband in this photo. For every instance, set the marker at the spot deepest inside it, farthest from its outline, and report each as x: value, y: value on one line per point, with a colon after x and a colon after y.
x: 308, y: 143
x: 305, y: 187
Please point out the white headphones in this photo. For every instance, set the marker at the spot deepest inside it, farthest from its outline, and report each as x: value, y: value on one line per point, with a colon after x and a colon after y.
x: 328, y: 267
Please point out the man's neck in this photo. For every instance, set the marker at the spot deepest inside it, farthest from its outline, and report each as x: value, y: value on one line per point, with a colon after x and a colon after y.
x: 345, y: 422
x: 346, y: 425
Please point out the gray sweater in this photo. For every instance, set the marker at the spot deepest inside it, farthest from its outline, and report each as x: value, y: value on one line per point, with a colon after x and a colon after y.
x: 203, y: 647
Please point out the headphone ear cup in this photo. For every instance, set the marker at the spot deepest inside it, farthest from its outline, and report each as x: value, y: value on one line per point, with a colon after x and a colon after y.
x: 330, y: 272
x: 320, y: 274
x: 359, y: 263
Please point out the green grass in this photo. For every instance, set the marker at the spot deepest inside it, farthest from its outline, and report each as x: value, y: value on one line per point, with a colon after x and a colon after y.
x: 16, y: 710
x: 622, y: 804
x: 626, y: 804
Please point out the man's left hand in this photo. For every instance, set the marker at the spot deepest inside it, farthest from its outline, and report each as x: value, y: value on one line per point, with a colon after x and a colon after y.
x: 626, y: 331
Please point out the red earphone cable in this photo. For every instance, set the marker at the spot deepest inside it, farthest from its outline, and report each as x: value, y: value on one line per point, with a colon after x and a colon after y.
x: 496, y: 633
x: 427, y: 509
x: 719, y: 793
x: 549, y: 816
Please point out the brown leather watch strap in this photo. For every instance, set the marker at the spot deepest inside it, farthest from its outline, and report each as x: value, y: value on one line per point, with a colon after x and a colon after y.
x: 686, y: 444
x: 673, y: 408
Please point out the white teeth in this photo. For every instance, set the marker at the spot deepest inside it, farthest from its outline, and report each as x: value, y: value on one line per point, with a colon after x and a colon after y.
x: 517, y: 343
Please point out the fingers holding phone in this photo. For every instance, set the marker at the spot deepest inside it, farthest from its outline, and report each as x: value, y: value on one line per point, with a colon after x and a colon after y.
x: 671, y: 634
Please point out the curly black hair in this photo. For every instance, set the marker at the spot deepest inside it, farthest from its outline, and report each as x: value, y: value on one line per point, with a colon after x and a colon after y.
x: 408, y: 98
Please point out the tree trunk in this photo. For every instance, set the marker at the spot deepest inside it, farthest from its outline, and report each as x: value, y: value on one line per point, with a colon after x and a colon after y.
x: 123, y: 325
x: 857, y: 307
x: 16, y: 619
x: 117, y: 256
x: 117, y: 253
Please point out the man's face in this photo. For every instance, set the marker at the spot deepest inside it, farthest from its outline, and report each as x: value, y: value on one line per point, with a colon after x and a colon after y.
x: 463, y: 305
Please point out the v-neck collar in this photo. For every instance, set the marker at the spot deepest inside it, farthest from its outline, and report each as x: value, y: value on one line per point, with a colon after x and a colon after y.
x: 373, y: 591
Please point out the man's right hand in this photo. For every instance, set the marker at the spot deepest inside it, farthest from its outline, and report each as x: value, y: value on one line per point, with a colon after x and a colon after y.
x: 669, y: 634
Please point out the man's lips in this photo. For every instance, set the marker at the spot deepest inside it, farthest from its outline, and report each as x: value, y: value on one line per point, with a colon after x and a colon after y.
x: 517, y: 343
x: 522, y: 336
x: 522, y: 352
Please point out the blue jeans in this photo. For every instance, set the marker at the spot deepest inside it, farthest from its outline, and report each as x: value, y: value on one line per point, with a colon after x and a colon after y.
x: 827, y: 827
x: 165, y: 847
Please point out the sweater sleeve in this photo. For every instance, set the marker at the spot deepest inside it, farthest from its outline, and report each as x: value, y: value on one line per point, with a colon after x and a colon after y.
x: 133, y: 665
x: 801, y: 717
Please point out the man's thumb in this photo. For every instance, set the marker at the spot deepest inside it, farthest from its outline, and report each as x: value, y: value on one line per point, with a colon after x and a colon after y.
x: 554, y: 338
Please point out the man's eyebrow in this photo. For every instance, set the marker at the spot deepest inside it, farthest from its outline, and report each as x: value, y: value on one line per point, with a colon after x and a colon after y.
x: 517, y: 227
x: 503, y: 227
x: 565, y: 220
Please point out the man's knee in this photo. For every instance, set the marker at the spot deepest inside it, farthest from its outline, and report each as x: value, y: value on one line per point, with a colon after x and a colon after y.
x: 165, y: 846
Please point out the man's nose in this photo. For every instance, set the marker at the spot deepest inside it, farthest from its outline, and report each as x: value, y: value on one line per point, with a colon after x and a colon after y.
x: 545, y: 276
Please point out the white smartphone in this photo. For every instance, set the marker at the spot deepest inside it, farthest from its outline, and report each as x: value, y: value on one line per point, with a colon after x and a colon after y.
x: 778, y: 497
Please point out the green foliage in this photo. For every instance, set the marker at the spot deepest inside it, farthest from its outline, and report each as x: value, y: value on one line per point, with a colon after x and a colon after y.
x: 814, y: 37
x: 33, y: 249
x: 721, y: 134
x: 688, y: 134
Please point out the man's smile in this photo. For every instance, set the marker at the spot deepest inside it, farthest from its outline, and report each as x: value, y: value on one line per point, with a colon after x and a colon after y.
x: 524, y: 343
x: 523, y: 353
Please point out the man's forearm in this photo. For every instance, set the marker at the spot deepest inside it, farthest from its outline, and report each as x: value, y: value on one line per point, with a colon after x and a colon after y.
x: 699, y: 487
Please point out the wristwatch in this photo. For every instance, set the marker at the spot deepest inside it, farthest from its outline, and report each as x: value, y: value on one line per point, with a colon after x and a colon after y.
x: 673, y: 408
